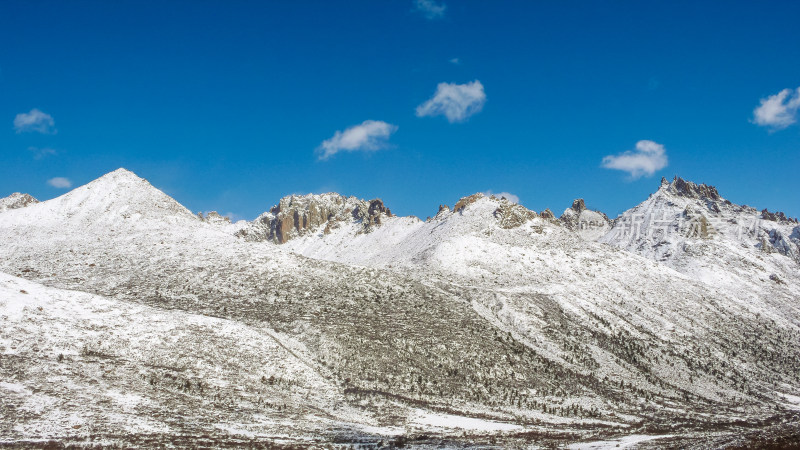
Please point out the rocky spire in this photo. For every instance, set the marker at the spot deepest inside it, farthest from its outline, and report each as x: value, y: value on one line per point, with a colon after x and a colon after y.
x: 578, y: 217
x: 684, y: 188
x: 578, y: 205
x: 547, y: 214
x: 777, y: 216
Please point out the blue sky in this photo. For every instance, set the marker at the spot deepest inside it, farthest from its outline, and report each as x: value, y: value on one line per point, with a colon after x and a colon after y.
x: 229, y: 106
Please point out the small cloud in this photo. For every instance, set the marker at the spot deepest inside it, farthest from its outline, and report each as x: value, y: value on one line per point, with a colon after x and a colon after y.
x: 34, y: 121
x: 455, y: 61
x: 457, y: 102
x: 653, y: 83
x: 507, y: 195
x: 369, y: 136
x: 778, y: 111
x: 60, y: 183
x: 41, y: 153
x: 430, y: 9
x: 648, y: 157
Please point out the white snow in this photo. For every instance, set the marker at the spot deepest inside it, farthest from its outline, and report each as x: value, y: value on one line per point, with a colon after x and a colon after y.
x: 449, y: 421
x: 676, y: 302
x: 624, y: 442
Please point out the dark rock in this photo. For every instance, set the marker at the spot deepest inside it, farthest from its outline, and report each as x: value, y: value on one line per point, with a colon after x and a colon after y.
x: 685, y: 188
x: 466, y: 201
x: 547, y: 214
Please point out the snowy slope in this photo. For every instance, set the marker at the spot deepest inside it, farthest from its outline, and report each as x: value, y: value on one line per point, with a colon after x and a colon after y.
x: 76, y: 364
x: 518, y: 277
x: 589, y: 225
x: 487, y: 319
x: 117, y: 197
x: 692, y: 229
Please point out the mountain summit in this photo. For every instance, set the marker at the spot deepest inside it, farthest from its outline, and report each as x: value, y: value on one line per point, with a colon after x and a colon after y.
x: 16, y: 201
x: 299, y: 215
x: 679, y: 186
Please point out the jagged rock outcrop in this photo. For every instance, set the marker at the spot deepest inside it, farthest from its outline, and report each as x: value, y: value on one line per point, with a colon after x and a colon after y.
x: 466, y: 201
x: 214, y: 217
x: 510, y: 215
x: 16, y: 201
x: 688, y: 189
x: 548, y: 215
x: 777, y: 216
x: 298, y: 215
x: 588, y: 224
x: 696, y: 224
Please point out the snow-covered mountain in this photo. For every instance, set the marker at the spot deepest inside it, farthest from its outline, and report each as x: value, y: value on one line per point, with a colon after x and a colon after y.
x: 301, y: 215
x: 16, y: 200
x: 691, y: 228
x: 590, y: 225
x: 128, y: 319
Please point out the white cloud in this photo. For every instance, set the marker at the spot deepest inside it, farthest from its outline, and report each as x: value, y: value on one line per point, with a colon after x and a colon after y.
x: 455, y: 101
x: 430, y: 9
x: 370, y: 135
x: 40, y: 153
x: 648, y: 157
x: 60, y: 182
x: 508, y: 196
x: 778, y: 111
x: 35, y: 120
x: 455, y: 61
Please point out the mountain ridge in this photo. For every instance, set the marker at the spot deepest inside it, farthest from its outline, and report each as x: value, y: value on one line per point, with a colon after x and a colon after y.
x: 487, y: 314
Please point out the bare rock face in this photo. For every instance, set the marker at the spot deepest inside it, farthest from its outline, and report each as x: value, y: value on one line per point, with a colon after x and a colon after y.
x: 466, y: 201
x: 16, y: 201
x: 510, y: 215
x: 213, y: 217
x: 548, y: 215
x: 685, y: 188
x: 776, y: 216
x: 697, y: 225
x: 298, y: 215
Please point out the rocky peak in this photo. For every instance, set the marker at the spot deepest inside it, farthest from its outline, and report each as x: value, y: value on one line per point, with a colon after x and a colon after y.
x: 508, y: 214
x: 511, y: 215
x: 777, y: 216
x: 298, y: 215
x: 579, y: 218
x: 466, y: 201
x: 547, y: 214
x: 213, y: 217
x: 16, y: 201
x: 684, y: 188
x: 443, y: 211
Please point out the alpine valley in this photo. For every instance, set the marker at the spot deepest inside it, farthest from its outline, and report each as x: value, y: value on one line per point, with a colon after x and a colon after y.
x: 126, y: 320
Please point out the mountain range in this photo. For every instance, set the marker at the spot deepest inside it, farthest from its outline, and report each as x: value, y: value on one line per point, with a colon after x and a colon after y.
x: 129, y: 320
